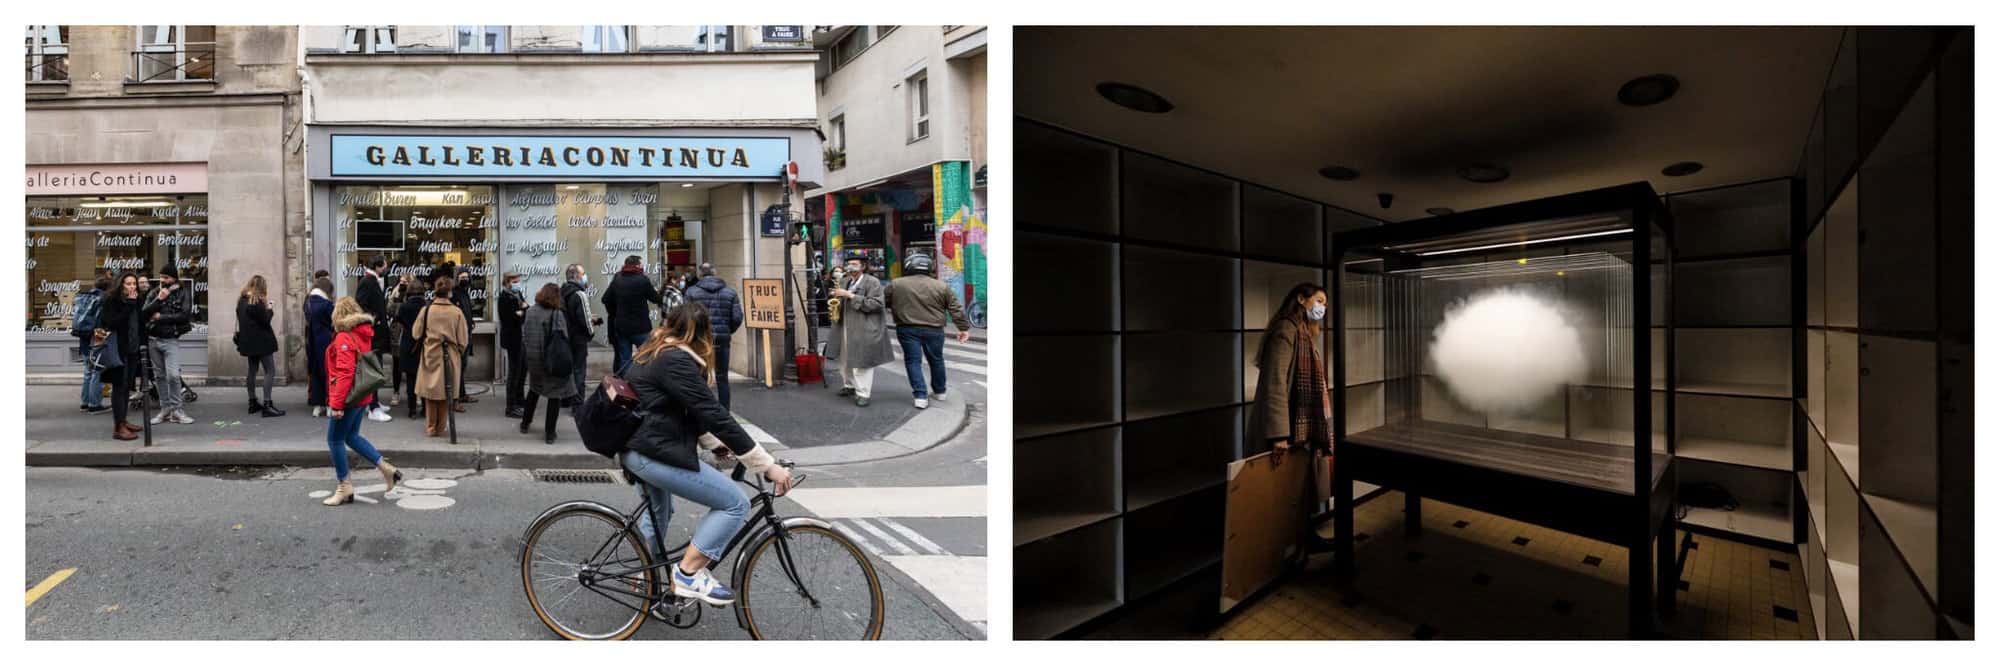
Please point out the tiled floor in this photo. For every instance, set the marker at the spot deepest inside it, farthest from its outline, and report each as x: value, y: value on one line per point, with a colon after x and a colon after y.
x: 1473, y: 575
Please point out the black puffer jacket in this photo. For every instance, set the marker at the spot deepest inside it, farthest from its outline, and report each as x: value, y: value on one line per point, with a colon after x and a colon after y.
x: 725, y: 311
x: 121, y: 318
x: 679, y: 407
x: 254, y: 336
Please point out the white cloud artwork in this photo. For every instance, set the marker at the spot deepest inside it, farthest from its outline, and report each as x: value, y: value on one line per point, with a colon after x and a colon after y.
x: 1506, y: 350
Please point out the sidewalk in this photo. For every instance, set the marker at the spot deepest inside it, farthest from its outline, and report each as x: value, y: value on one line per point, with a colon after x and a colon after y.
x: 225, y: 434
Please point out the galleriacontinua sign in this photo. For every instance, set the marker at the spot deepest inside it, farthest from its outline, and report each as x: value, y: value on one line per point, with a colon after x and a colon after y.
x: 564, y: 156
x: 108, y: 179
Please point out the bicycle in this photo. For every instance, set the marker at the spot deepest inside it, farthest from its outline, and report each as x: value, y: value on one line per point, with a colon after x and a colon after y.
x: 827, y: 598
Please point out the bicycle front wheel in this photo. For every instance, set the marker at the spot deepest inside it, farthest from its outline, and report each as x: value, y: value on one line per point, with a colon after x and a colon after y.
x: 587, y: 576
x: 810, y: 584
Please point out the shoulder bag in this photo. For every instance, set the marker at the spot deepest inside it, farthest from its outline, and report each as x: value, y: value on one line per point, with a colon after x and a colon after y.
x: 556, y: 359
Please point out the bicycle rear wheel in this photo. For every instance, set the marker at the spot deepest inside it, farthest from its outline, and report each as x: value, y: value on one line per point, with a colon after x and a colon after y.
x: 587, y: 576
x: 835, y: 594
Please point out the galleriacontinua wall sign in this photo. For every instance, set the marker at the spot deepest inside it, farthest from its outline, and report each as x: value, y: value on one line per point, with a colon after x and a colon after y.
x: 127, y: 178
x: 363, y: 155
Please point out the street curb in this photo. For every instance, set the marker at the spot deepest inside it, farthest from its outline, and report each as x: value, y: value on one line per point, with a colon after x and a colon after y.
x: 468, y: 454
x: 905, y: 441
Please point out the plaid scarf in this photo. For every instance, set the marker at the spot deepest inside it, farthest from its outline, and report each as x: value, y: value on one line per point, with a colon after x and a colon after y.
x: 1311, y: 410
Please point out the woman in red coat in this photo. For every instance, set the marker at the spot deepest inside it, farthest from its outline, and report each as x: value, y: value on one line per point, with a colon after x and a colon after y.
x: 353, y: 336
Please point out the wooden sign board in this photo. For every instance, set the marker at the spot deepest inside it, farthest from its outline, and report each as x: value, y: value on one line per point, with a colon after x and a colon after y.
x: 764, y: 303
x: 1266, y: 513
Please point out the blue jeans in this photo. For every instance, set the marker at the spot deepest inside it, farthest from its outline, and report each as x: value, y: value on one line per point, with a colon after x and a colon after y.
x: 922, y: 344
x: 93, y: 382
x: 344, y: 433
x: 709, y: 487
x: 622, y: 347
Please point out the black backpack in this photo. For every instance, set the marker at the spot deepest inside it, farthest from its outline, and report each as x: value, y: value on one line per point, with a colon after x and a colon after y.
x: 605, y: 423
x: 556, y: 359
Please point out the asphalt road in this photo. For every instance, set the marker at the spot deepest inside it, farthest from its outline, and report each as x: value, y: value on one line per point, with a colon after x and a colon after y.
x: 197, y: 554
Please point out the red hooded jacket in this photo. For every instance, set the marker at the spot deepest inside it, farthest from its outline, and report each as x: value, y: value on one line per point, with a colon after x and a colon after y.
x: 356, y: 335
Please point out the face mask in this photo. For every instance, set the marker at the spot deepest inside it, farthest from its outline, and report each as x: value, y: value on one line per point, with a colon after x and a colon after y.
x: 1317, y: 312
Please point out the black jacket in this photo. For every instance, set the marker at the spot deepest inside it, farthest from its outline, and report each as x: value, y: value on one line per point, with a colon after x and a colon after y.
x: 121, y: 317
x: 625, y: 303
x: 407, y: 316
x: 576, y: 312
x: 374, y: 301
x: 725, y: 311
x: 176, y: 311
x: 677, y: 408
x: 512, y: 309
x: 254, y: 336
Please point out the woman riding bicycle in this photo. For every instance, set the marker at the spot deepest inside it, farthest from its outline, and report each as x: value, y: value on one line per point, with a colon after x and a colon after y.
x: 670, y: 373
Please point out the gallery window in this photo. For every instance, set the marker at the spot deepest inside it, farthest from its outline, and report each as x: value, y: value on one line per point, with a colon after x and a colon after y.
x: 369, y: 39
x: 174, y: 53
x: 72, y: 240
x: 919, y: 86
x: 417, y: 228
x: 48, y: 53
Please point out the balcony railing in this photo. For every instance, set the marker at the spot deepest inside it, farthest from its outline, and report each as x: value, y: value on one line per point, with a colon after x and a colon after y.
x: 47, y: 66
x: 193, y: 61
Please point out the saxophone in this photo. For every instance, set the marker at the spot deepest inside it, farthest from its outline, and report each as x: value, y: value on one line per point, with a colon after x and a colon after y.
x: 833, y: 310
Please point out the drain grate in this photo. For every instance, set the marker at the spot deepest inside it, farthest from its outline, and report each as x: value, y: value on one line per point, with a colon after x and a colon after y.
x: 573, y: 476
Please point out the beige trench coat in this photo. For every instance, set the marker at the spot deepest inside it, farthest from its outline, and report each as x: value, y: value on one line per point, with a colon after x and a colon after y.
x: 442, y: 328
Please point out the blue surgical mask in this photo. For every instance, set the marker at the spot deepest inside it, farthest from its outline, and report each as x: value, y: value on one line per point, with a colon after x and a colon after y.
x: 1317, y: 312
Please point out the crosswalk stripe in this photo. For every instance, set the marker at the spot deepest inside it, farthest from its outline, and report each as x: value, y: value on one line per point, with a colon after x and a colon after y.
x: 913, y: 537
x: 756, y: 433
x: 948, y: 365
x: 884, y: 536
x: 900, y: 502
x: 847, y: 529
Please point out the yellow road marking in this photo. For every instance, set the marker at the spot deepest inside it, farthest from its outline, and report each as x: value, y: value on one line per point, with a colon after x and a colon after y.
x: 47, y: 584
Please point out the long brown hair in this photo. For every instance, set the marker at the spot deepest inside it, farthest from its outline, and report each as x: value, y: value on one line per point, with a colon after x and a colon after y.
x: 1290, y: 311
x: 550, y: 296
x: 255, y: 289
x: 684, y: 325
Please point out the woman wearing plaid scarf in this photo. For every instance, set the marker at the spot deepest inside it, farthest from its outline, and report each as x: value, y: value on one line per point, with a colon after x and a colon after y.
x: 1292, y: 407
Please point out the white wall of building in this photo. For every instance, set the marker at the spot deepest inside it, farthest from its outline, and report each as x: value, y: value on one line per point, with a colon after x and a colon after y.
x: 871, y: 93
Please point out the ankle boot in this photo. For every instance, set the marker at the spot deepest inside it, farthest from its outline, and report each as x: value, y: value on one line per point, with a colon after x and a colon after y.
x: 271, y: 409
x: 123, y: 433
x: 342, y: 494
x: 256, y: 405
x: 390, y: 475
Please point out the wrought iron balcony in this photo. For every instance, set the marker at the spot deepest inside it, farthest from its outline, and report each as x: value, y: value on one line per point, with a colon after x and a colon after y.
x: 47, y: 66
x: 192, y: 61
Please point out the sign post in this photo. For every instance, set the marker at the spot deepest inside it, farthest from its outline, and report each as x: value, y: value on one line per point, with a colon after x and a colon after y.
x: 765, y: 313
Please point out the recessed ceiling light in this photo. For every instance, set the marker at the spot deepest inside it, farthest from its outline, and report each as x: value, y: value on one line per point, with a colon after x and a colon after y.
x: 1439, y: 211
x: 1338, y: 173
x: 1134, y: 97
x: 1481, y: 172
x: 1648, y: 90
x: 1679, y: 169
x: 687, y: 184
x: 571, y: 187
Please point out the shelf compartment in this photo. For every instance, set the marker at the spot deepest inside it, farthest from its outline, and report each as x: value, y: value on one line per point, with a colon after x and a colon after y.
x: 1085, y: 365
x: 1066, y: 181
x: 1898, y: 608
x: 1845, y: 580
x: 1089, y: 284
x: 1816, y: 366
x: 1912, y: 529
x: 1169, y: 203
x: 1841, y: 256
x: 1755, y: 217
x: 1899, y: 418
x: 1280, y: 225
x: 1203, y: 296
x: 1264, y: 288
x: 1816, y: 276
x: 1843, y: 554
x: 1753, y: 362
x: 1735, y: 292
x: 1365, y: 407
x: 1763, y: 499
x: 1843, y: 375
x: 1171, y: 373
x: 1897, y: 287
x: 1813, y: 556
x: 1739, y: 431
x: 1083, y: 490
x: 1169, y: 457
x: 1600, y: 414
x: 1169, y: 540
x: 1815, y: 479
x: 1067, y: 580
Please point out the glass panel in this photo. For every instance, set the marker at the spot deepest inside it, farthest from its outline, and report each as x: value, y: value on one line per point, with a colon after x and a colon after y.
x: 416, y: 228
x: 63, y: 261
x: 159, y: 35
x: 199, y: 60
x: 353, y: 40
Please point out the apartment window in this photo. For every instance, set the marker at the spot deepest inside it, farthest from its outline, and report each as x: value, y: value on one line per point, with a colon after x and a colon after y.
x: 836, y: 142
x: 369, y: 39
x: 48, y: 53
x: 482, y: 39
x: 848, y: 47
x: 605, y: 39
x: 920, y: 105
x: 174, y: 53
x: 715, y: 39
x: 882, y: 31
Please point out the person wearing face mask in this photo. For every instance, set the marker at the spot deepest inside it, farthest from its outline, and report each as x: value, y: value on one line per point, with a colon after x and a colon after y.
x: 582, y: 326
x: 512, y: 308
x: 1292, y: 408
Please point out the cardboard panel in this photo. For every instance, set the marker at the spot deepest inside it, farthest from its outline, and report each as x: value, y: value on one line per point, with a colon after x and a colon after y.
x: 1266, y: 515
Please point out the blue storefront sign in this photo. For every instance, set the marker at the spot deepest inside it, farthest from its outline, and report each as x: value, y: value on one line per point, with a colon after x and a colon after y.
x: 367, y: 155
x: 774, y: 222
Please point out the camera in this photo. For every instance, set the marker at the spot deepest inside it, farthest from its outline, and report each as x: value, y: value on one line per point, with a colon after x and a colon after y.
x: 1386, y: 199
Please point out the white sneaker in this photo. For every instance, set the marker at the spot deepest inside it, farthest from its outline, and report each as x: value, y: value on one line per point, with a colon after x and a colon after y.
x: 922, y: 403
x: 938, y: 396
x: 181, y: 417
x: 702, y: 585
x: 317, y: 411
x: 159, y: 418
x: 379, y: 415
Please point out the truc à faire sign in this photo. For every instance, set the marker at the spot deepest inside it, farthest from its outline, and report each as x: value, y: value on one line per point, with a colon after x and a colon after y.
x: 365, y: 155
x: 111, y: 179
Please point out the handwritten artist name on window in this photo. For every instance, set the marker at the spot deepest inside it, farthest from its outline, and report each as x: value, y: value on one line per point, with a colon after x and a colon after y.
x: 597, y: 156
